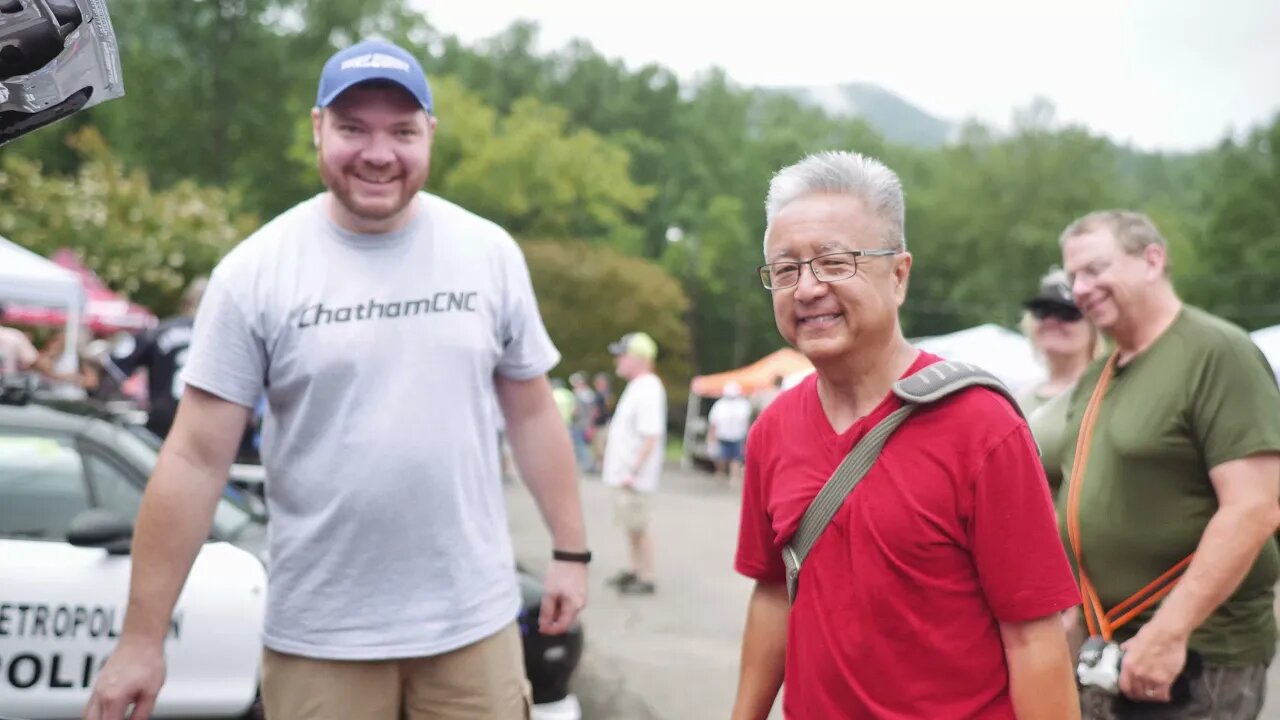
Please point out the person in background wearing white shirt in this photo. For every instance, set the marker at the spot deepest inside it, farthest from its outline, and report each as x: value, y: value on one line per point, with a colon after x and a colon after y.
x: 633, y: 455
x: 730, y: 418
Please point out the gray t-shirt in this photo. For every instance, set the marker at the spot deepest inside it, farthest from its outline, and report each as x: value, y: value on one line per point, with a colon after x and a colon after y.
x: 377, y: 354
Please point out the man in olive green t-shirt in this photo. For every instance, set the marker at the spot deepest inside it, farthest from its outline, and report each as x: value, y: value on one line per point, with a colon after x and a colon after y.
x: 1184, y: 458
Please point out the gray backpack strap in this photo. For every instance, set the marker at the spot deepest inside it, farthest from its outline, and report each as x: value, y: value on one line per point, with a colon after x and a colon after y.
x: 928, y: 385
x: 942, y: 379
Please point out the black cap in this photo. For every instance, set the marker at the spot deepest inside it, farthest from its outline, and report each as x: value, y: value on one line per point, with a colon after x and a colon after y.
x: 1054, y: 292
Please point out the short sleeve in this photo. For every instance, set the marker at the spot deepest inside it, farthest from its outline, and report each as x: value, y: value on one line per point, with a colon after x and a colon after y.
x: 527, y: 350
x: 757, y: 556
x: 228, y: 356
x: 1021, y: 563
x: 1235, y: 406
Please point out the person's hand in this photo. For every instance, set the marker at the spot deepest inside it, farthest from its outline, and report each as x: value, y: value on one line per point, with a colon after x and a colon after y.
x: 629, y: 481
x: 133, y: 676
x: 1152, y: 661
x: 564, y: 595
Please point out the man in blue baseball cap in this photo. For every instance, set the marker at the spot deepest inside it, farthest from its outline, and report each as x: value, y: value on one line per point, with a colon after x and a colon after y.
x: 383, y: 324
x: 373, y: 128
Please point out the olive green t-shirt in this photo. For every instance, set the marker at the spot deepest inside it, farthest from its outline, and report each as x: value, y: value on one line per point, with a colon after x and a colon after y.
x: 1049, y: 428
x: 1202, y: 394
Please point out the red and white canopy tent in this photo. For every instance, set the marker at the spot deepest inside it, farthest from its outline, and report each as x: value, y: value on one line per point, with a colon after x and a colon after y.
x: 28, y: 280
x: 104, y: 311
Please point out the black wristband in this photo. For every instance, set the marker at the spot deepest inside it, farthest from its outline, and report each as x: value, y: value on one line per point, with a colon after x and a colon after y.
x: 566, y: 556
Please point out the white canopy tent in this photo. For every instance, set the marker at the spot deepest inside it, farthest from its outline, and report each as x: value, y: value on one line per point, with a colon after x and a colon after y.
x: 30, y: 279
x: 1004, y: 353
x: 1268, y: 340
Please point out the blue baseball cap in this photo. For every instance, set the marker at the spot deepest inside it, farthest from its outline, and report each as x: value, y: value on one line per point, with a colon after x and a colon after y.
x: 373, y: 60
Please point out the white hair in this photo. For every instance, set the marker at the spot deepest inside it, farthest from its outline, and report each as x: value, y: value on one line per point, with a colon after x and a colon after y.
x: 847, y: 173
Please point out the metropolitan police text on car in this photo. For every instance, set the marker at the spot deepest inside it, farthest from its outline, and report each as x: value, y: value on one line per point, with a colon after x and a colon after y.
x: 25, y: 670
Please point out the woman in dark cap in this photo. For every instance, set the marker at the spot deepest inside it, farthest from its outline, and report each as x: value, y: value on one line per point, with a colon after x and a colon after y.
x: 1067, y: 343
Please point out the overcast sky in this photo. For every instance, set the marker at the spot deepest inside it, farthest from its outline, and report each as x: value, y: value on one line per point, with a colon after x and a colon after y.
x: 1160, y: 74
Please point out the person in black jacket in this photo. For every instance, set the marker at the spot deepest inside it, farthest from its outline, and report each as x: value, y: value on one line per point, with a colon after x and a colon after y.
x: 162, y: 350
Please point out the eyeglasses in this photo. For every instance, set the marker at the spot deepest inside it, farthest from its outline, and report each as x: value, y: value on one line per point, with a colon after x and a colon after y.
x: 1060, y: 312
x: 825, y: 268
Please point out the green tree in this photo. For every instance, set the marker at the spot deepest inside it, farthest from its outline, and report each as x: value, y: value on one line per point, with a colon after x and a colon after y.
x: 536, y: 178
x: 1237, y: 268
x: 144, y: 243
x: 984, y: 216
x: 591, y: 295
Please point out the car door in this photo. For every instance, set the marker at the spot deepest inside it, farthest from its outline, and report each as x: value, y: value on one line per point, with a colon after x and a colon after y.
x: 62, y: 607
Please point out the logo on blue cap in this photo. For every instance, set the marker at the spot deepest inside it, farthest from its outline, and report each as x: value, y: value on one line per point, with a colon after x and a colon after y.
x: 373, y: 60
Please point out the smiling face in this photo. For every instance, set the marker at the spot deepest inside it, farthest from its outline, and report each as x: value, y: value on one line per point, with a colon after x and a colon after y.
x: 374, y: 151
x: 831, y: 320
x: 1109, y: 284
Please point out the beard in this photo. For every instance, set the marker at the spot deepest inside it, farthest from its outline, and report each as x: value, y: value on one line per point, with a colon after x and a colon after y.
x: 373, y: 207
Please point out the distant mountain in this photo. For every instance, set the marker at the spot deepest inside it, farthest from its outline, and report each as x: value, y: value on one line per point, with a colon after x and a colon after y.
x: 898, y: 120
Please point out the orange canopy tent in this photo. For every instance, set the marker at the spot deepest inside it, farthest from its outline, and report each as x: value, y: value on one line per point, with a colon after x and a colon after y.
x: 759, y: 375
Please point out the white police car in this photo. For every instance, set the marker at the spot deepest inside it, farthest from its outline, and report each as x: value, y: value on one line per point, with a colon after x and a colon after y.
x: 70, y: 487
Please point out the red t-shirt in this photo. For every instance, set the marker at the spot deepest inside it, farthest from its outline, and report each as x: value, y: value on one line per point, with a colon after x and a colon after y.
x: 951, y: 532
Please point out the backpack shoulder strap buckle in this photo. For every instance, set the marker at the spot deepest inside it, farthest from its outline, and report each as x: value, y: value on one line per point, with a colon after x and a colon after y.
x: 941, y: 379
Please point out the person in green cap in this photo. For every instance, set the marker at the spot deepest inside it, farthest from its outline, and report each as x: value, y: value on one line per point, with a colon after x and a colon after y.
x: 633, y: 455
x: 1172, y: 472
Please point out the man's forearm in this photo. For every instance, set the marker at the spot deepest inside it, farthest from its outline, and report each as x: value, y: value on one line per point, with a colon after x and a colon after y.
x: 1227, y: 550
x: 544, y: 455
x: 173, y: 523
x: 1041, y: 680
x: 764, y: 652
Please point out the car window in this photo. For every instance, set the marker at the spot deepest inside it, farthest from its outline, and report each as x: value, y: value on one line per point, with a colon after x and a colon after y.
x: 114, y: 490
x: 138, y: 447
x: 42, y: 485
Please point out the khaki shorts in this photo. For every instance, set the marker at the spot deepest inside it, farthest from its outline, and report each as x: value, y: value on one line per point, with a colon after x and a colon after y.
x: 631, y: 508
x: 483, y: 680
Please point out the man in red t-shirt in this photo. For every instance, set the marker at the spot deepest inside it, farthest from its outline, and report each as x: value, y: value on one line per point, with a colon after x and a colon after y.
x: 936, y: 591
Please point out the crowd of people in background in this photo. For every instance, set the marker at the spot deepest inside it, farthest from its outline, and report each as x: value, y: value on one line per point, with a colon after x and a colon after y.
x: 142, y: 370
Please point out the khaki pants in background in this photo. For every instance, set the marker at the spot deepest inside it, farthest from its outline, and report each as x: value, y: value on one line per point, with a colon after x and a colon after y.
x: 482, y: 681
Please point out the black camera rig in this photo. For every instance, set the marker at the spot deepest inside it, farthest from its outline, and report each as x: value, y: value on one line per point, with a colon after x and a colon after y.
x: 57, y: 57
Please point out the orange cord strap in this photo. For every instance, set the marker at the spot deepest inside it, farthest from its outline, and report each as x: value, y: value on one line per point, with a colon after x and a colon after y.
x: 1099, y: 621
